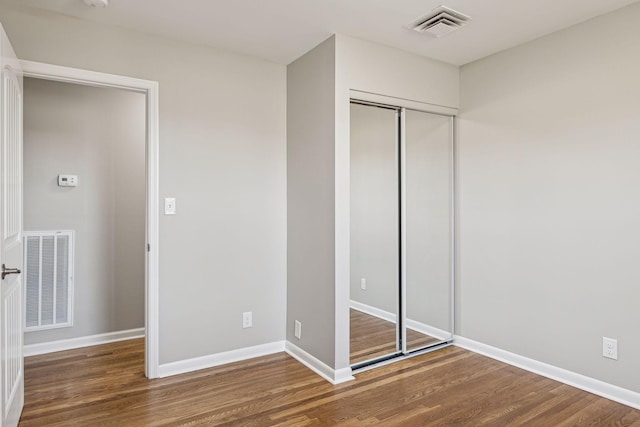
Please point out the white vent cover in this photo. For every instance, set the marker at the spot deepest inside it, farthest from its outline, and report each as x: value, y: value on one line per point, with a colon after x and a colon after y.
x: 440, y: 22
x: 97, y: 3
x: 48, y: 275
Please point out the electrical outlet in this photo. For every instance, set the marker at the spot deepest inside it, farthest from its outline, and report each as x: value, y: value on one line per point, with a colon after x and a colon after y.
x: 247, y: 319
x: 363, y: 284
x: 298, y: 329
x: 610, y: 348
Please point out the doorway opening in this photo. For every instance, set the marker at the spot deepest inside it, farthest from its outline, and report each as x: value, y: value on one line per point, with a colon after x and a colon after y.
x: 114, y: 218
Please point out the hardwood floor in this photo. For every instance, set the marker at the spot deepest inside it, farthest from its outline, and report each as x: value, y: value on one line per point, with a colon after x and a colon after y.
x: 105, y: 386
x: 372, y: 337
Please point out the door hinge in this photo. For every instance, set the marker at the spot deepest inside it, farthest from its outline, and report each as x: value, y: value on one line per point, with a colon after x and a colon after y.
x: 148, y: 247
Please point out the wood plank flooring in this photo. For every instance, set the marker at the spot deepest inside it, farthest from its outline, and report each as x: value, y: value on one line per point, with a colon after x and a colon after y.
x: 372, y: 337
x: 105, y: 386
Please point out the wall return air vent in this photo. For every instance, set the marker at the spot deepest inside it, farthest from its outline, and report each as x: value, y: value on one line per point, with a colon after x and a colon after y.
x: 440, y: 22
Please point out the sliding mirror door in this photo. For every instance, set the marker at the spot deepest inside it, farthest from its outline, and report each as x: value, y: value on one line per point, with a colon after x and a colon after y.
x: 401, y: 232
x: 427, y: 225
x: 375, y: 233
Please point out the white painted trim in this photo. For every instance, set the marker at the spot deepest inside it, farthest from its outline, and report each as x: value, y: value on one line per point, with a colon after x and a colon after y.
x: 59, y: 73
x: 373, y: 311
x: 402, y: 161
x: 152, y: 303
x: 343, y: 375
x: 151, y: 90
x: 591, y: 385
x: 204, y: 362
x: 318, y: 366
x: 72, y: 343
x: 402, y: 102
x: 432, y: 331
x: 453, y: 260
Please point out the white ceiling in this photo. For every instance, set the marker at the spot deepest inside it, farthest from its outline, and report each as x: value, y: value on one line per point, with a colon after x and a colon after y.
x: 282, y: 30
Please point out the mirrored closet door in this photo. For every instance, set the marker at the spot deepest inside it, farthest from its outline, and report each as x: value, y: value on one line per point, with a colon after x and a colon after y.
x: 401, y: 232
x: 427, y: 222
x: 375, y: 232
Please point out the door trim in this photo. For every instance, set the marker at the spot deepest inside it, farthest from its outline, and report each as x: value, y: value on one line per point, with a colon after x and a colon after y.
x: 151, y: 90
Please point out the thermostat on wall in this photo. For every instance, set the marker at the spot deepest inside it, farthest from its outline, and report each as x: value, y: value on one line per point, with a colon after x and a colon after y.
x: 67, y: 180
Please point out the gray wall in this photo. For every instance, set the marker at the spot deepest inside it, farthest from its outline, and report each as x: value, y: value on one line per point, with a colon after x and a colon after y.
x: 549, y: 202
x: 99, y: 135
x: 310, y: 200
x: 374, y: 207
x: 370, y: 67
x: 222, y: 156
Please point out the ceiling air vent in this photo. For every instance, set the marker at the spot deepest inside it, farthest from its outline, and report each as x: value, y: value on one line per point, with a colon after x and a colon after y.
x: 440, y: 22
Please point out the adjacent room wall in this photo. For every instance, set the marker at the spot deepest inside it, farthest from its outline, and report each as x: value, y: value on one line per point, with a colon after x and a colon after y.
x: 222, y: 156
x: 99, y: 135
x: 549, y: 140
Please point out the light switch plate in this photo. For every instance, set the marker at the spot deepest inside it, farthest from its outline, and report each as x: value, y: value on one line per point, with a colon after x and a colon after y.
x: 169, y: 206
x: 247, y: 319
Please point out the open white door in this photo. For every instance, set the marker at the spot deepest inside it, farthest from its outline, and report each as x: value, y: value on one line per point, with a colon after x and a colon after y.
x: 11, y: 294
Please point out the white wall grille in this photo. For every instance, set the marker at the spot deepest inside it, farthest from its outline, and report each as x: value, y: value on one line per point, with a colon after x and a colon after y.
x: 48, y: 265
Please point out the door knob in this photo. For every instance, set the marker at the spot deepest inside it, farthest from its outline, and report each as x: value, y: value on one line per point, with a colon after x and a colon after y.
x: 6, y: 271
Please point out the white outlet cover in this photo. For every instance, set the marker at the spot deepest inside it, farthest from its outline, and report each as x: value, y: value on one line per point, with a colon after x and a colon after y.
x: 297, y: 329
x: 247, y: 319
x: 610, y: 348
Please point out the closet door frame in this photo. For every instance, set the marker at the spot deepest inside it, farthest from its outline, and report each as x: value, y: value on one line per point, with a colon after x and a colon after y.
x: 402, y: 105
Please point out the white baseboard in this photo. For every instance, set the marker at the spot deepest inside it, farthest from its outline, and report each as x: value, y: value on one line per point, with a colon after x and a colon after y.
x: 204, y: 362
x: 432, y: 331
x: 373, y: 311
x: 72, y: 343
x: 317, y: 366
x: 591, y: 385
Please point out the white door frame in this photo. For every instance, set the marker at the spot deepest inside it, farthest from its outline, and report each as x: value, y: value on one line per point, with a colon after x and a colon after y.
x: 150, y: 89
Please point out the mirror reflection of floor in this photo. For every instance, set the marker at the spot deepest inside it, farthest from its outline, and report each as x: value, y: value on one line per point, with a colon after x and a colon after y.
x: 374, y: 337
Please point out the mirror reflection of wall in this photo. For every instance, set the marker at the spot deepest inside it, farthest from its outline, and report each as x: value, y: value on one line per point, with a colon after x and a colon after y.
x: 401, y: 231
x: 428, y: 222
